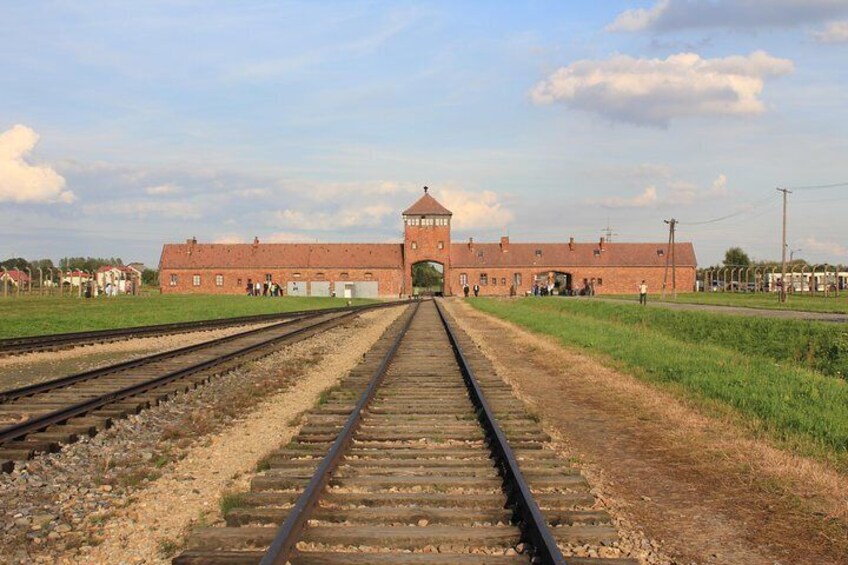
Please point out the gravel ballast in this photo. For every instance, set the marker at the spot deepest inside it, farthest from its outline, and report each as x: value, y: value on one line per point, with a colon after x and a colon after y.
x: 129, y: 494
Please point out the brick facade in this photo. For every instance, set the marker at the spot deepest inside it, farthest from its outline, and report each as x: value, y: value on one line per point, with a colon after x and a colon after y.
x: 609, y: 268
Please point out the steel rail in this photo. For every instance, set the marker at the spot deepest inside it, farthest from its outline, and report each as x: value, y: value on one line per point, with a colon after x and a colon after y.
x: 21, y: 344
x: 280, y: 550
x: 520, y: 497
x: 29, y: 390
x: 23, y: 429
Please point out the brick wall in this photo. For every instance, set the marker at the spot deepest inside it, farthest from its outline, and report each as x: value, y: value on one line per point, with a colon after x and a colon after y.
x: 608, y: 280
x: 426, y: 240
x: 235, y: 280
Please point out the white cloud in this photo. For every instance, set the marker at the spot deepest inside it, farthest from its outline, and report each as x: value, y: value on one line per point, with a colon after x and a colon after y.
x: 831, y: 248
x: 655, y: 91
x: 474, y: 210
x: 673, y: 15
x: 348, y: 218
x: 834, y: 32
x: 350, y: 190
x: 288, y: 237
x: 146, y: 208
x: 674, y: 192
x: 647, y: 198
x: 21, y: 181
x: 168, y: 188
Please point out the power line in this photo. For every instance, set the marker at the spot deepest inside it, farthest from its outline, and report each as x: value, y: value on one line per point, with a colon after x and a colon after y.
x: 818, y: 186
x: 728, y: 216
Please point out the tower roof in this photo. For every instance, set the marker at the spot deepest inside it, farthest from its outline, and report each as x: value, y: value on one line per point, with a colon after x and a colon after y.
x: 427, y: 205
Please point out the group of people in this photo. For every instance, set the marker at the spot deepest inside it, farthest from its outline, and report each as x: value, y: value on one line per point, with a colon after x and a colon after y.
x: 466, y: 290
x: 263, y: 289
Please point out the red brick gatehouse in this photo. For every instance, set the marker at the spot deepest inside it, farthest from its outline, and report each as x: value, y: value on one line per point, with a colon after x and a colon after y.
x: 385, y: 269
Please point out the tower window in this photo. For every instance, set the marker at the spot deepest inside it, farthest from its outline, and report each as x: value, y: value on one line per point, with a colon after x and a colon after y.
x: 441, y: 245
x: 415, y: 245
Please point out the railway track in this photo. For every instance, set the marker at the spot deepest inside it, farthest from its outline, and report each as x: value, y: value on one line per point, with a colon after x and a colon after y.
x: 41, y: 417
x: 421, y: 456
x: 56, y: 342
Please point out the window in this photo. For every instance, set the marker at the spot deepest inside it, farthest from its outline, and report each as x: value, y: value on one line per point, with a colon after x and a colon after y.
x: 494, y: 281
x: 415, y: 245
x: 296, y: 276
x: 174, y: 280
x: 538, y: 253
x: 195, y: 280
x: 660, y: 252
x: 219, y: 280
x: 484, y: 279
x: 268, y: 277
x: 597, y: 252
x: 319, y: 276
x: 480, y: 254
x: 463, y: 279
x: 516, y: 279
x: 368, y: 276
x: 600, y: 281
x: 238, y: 283
x: 503, y: 281
x: 441, y: 245
x: 344, y: 276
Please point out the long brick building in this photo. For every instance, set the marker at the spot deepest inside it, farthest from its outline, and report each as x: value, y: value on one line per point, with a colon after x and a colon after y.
x: 385, y: 269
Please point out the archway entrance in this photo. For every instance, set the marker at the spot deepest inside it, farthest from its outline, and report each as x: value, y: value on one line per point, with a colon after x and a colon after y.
x: 428, y: 278
x: 554, y: 283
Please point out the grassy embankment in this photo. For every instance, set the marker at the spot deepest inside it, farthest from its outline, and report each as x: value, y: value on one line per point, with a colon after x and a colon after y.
x: 780, y: 378
x: 26, y: 316
x: 765, y: 301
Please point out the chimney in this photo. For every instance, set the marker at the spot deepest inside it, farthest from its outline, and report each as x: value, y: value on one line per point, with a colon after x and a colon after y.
x: 470, y: 243
x: 571, y: 244
x: 191, y: 241
x: 601, y: 244
x: 505, y: 243
x: 256, y: 240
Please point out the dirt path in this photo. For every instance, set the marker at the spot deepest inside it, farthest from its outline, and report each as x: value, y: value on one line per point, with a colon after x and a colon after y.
x: 740, y: 310
x: 709, y: 492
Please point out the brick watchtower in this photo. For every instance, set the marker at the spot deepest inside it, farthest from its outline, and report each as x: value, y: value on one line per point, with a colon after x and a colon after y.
x: 426, y: 237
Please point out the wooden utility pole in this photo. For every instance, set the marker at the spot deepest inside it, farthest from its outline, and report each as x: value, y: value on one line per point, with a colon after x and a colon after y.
x: 669, y: 257
x: 782, y: 297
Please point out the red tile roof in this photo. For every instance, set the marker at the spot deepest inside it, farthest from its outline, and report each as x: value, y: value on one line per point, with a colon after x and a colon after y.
x: 427, y: 205
x: 560, y: 255
x: 293, y: 255
x: 16, y: 275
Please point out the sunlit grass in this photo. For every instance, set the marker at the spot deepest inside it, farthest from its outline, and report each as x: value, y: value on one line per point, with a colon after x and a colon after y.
x: 690, y: 356
x: 37, y: 315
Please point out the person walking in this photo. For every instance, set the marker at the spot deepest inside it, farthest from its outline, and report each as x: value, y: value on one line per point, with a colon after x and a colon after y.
x: 465, y: 290
x: 476, y: 289
x: 643, y: 293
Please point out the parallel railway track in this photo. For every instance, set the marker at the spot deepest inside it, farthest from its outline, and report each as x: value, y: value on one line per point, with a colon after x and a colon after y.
x: 55, y: 342
x: 421, y: 456
x: 40, y: 417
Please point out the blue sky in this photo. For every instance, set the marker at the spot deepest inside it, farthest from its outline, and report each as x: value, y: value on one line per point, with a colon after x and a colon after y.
x: 127, y: 125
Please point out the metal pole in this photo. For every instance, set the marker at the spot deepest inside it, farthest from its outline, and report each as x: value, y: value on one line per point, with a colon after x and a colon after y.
x: 785, y: 192
x: 40, y: 281
x: 5, y: 282
x: 673, y: 261
x: 667, y: 259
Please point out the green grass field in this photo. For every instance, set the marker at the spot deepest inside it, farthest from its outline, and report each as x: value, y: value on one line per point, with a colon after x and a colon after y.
x: 755, y: 378
x: 26, y: 316
x: 767, y: 301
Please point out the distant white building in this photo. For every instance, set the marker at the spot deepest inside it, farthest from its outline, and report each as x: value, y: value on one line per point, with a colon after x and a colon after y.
x: 120, y: 279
